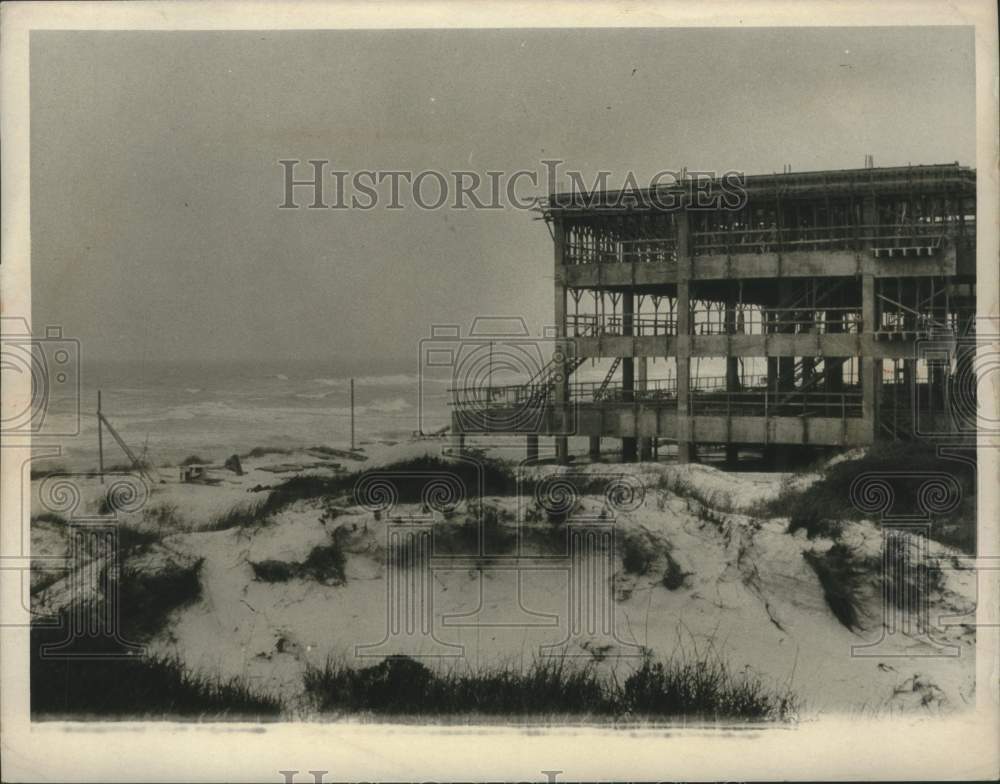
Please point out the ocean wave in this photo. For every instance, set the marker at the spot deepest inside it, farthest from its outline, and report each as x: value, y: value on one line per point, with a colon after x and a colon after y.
x: 389, y: 380
x: 388, y: 406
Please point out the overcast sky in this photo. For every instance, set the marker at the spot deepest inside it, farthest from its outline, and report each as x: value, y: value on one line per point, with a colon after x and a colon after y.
x: 155, y: 182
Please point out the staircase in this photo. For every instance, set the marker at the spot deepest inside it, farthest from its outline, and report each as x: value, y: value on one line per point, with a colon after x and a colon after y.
x: 599, y: 392
x: 543, y: 382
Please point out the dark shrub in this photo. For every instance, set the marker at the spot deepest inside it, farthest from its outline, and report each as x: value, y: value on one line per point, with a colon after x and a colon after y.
x: 270, y: 571
x: 841, y: 576
x: 325, y: 564
x: 673, y: 577
x: 637, y: 554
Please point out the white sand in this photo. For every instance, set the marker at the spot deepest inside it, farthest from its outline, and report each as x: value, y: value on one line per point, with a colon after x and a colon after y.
x: 748, y: 593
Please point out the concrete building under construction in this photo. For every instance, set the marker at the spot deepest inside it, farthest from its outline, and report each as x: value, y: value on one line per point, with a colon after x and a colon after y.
x: 826, y: 306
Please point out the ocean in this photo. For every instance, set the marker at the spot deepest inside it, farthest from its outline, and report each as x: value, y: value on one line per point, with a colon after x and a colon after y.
x: 172, y: 410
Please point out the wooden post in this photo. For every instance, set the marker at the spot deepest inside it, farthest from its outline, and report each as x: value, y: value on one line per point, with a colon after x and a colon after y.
x: 100, y: 438
x: 352, y: 414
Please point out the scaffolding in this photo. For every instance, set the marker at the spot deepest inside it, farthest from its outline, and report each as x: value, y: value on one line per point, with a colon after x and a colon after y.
x: 826, y: 285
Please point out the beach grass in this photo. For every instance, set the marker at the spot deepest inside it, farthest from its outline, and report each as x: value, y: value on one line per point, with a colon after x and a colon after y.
x: 703, y: 687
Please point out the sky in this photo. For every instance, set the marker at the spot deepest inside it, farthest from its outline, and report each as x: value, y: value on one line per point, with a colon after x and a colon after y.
x: 155, y: 180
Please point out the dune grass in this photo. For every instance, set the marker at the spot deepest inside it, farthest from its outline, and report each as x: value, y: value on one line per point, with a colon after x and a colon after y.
x: 65, y: 684
x: 324, y: 564
x: 255, y: 514
x: 400, y: 686
x: 842, y: 576
x: 819, y: 508
x: 139, y: 688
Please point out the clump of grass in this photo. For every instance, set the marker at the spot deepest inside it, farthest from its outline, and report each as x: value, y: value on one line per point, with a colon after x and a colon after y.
x: 673, y: 576
x: 245, y: 516
x: 165, y: 518
x: 841, y: 576
x: 807, y: 516
x: 133, y: 540
x: 193, y: 460
x: 143, y: 687
x: 402, y: 686
x: 638, y: 554
x: 410, y: 479
x: 272, y: 571
x: 906, y: 580
x: 463, y: 538
x: 111, y: 684
x: 705, y: 688
x: 325, y: 564
x: 901, y: 465
x: 147, y: 598
x: 682, y: 486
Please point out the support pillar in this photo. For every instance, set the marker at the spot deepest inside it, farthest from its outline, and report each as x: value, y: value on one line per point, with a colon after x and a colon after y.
x: 684, y: 428
x: 562, y: 348
x: 833, y: 372
x: 869, y: 367
x: 786, y: 365
x: 642, y: 370
x: 532, y: 451
x: 629, y: 444
x: 733, y: 384
x: 595, y: 448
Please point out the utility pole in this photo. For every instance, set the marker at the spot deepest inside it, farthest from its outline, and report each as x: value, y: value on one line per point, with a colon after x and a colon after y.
x: 352, y: 414
x: 100, y: 438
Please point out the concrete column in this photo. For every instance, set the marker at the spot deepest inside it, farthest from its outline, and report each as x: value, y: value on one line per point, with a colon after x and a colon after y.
x: 532, y: 451
x: 628, y: 371
x: 786, y: 365
x: 732, y: 363
x: 870, y: 368
x: 562, y: 348
x: 732, y: 366
x: 628, y: 363
x: 683, y: 342
x: 642, y: 369
x: 595, y: 448
x: 833, y: 372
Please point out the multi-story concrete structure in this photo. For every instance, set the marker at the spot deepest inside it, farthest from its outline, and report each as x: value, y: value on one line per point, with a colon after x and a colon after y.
x: 829, y: 302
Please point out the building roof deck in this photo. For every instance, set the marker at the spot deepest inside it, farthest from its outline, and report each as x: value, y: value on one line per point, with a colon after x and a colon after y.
x: 948, y: 178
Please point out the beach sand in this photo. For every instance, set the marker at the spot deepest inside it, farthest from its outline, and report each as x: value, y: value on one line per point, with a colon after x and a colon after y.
x: 746, y: 591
